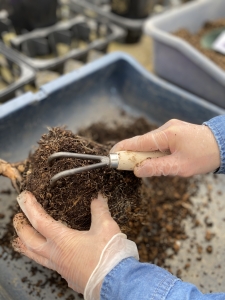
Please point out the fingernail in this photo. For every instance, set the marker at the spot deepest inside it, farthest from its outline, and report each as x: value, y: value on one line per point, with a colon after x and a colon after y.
x: 114, y: 148
x: 22, y: 197
x: 139, y: 166
x: 22, y: 200
x: 102, y: 198
x: 139, y: 171
x: 16, y: 246
x: 136, y: 172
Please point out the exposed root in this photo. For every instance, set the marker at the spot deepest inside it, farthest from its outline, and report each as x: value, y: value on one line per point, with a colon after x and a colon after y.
x: 7, y: 170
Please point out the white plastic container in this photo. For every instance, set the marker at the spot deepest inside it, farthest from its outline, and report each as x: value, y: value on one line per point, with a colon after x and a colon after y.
x: 180, y: 63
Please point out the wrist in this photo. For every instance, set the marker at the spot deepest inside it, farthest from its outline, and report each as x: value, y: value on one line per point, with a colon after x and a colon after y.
x: 117, y: 249
x: 216, y: 126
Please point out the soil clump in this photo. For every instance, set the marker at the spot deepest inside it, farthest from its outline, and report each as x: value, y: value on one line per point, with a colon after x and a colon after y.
x: 69, y: 200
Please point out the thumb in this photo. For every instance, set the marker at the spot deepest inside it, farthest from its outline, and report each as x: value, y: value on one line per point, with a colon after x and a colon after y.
x: 99, y: 210
x: 137, y: 143
x: 168, y: 165
x: 151, y: 141
x: 101, y: 217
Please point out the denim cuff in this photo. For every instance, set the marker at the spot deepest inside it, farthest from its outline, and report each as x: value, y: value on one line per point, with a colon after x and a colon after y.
x: 131, y: 280
x: 217, y: 126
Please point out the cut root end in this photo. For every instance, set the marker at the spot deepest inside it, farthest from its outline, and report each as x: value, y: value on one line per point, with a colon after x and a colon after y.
x: 7, y: 170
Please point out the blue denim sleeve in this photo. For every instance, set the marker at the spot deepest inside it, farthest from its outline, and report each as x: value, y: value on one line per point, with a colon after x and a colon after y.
x: 217, y: 126
x: 132, y: 280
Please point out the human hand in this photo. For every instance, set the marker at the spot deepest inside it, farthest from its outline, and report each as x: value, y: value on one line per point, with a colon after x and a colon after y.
x: 78, y: 256
x: 193, y: 149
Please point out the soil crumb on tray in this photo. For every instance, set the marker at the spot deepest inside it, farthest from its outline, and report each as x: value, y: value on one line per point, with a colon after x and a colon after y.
x: 103, y: 133
x: 69, y: 200
x: 6, y: 235
x: 195, y: 40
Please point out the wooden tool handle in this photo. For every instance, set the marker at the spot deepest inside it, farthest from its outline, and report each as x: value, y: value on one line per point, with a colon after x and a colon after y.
x: 129, y: 159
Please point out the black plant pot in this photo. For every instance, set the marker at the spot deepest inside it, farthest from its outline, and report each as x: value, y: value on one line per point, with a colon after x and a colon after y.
x: 32, y: 14
x: 134, y: 9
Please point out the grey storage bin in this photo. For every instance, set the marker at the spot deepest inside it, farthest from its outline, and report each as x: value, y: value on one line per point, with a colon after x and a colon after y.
x: 97, y: 91
x: 177, y: 61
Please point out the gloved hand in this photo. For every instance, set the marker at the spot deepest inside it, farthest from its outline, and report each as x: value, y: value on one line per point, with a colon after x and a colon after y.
x: 193, y: 149
x: 83, y: 258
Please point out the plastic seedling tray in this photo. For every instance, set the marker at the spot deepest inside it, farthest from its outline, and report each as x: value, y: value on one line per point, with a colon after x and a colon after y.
x: 98, y: 91
x: 177, y: 61
x: 5, y: 25
x: 101, y: 10
x: 14, y: 73
x: 50, y: 47
x: 32, y: 14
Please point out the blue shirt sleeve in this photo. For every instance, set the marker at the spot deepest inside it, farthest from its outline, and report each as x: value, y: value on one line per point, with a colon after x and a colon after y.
x: 132, y: 280
x: 217, y: 126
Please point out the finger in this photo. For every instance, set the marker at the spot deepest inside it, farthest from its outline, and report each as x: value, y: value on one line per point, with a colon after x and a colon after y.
x: 20, y: 247
x: 151, y: 141
x: 33, y: 240
x: 37, y: 216
x: 146, y: 142
x: 168, y: 165
x: 101, y: 216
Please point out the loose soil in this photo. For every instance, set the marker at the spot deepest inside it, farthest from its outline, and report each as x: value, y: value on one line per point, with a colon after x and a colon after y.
x: 149, y: 211
x: 194, y: 40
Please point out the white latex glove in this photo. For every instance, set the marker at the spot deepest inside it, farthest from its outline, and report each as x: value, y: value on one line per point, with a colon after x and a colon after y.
x: 193, y: 149
x: 83, y: 258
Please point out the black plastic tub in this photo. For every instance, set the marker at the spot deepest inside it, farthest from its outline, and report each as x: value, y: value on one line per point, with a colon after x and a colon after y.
x: 30, y: 15
x: 132, y: 9
x: 5, y: 24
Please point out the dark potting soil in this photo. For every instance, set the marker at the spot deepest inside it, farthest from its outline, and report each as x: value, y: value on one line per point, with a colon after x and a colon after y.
x: 194, y: 40
x: 153, y: 209
x: 103, y: 134
x: 69, y: 200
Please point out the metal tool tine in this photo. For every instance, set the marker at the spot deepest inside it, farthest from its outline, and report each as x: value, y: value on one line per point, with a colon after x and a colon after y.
x: 74, y: 155
x: 104, y: 162
x: 75, y: 171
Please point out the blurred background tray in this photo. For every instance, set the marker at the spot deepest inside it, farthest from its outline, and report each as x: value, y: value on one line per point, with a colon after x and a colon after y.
x: 102, y: 10
x: 49, y: 48
x: 14, y: 74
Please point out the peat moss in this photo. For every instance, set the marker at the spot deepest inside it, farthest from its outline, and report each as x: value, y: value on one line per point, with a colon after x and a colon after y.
x: 69, y: 200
